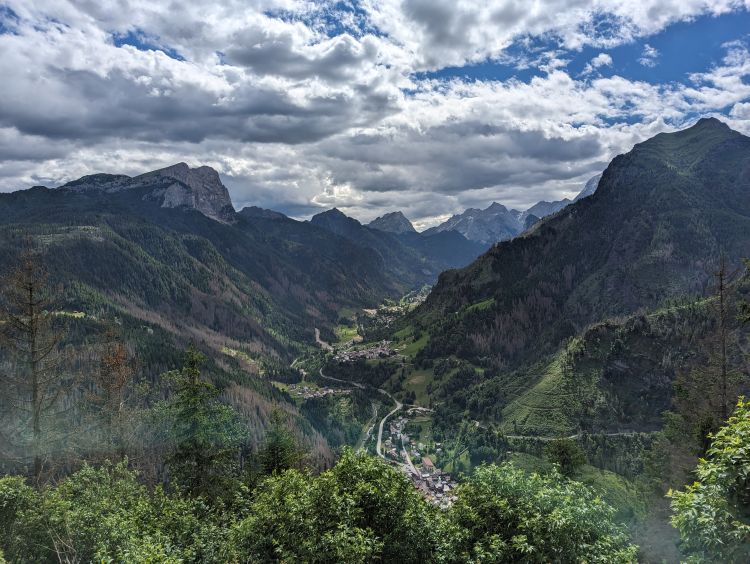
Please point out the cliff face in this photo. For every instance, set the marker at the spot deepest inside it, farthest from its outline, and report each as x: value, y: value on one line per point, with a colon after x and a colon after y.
x: 198, y: 188
x: 172, y: 187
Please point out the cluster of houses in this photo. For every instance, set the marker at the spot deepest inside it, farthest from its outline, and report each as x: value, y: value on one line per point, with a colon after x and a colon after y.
x: 307, y: 392
x: 436, y: 485
x: 378, y: 350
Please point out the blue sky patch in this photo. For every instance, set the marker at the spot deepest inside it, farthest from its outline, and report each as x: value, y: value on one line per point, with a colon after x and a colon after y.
x: 681, y: 49
x: 332, y: 18
x: 8, y: 19
x: 136, y: 38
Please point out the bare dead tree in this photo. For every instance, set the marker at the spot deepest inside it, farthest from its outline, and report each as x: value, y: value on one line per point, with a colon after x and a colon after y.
x: 117, y: 368
x: 32, y: 337
x: 705, y: 395
x: 723, y: 277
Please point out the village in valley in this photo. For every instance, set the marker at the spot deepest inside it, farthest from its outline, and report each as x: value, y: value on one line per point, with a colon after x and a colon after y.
x: 409, y: 454
x: 394, y: 433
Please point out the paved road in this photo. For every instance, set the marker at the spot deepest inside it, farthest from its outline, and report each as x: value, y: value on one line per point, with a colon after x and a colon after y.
x: 399, y: 405
x: 355, y: 384
x: 576, y: 436
x: 409, y: 464
x: 379, y: 446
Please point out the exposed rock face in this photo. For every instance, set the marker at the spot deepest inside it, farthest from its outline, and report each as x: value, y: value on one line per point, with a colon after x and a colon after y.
x: 197, y: 188
x: 394, y: 222
x: 544, y: 208
x: 590, y: 188
x: 496, y: 223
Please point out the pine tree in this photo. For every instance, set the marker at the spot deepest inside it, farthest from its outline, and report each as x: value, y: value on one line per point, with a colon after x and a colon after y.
x: 111, y: 382
x: 280, y: 450
x: 206, y: 434
x: 704, y: 397
x: 32, y: 335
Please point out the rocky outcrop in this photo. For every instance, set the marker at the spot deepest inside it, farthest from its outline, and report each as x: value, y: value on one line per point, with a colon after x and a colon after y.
x: 171, y: 187
x: 198, y: 188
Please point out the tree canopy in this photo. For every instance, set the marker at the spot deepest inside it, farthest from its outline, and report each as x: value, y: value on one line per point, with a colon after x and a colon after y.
x: 713, y: 513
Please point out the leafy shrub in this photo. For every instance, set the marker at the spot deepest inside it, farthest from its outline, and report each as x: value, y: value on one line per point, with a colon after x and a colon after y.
x: 505, y: 515
x: 713, y: 514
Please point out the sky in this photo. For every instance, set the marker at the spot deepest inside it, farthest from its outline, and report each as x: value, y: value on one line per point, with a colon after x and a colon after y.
x: 371, y: 106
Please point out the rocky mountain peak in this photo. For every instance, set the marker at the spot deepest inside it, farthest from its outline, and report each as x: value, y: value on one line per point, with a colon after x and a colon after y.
x: 393, y: 222
x: 172, y: 187
x: 336, y: 221
x: 198, y: 188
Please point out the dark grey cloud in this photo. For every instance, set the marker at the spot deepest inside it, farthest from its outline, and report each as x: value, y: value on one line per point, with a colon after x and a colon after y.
x: 266, y: 53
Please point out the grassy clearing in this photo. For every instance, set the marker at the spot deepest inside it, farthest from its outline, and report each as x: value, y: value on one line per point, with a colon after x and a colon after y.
x: 481, y: 306
x: 425, y: 435
x: 544, y: 409
x: 240, y: 355
x: 345, y: 335
x: 417, y: 382
x: 73, y: 314
x: 404, y: 333
x: 415, y: 346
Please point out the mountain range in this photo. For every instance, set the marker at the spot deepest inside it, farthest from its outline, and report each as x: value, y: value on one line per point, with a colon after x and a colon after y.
x: 497, y: 223
x: 167, y: 247
x: 583, y: 292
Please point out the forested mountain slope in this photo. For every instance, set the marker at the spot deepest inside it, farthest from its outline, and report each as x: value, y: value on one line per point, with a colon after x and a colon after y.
x: 409, y: 259
x: 261, y: 282
x: 654, y: 229
x: 615, y: 376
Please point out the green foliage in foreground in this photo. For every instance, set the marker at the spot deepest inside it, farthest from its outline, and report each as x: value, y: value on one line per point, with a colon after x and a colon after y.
x: 713, y: 514
x: 205, y: 434
x: 359, y: 511
x: 104, y: 515
x: 362, y: 510
x: 505, y: 515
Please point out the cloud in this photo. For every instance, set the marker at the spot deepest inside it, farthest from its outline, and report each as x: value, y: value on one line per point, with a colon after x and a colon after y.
x: 601, y: 60
x: 741, y: 110
x: 304, y: 105
x: 649, y: 56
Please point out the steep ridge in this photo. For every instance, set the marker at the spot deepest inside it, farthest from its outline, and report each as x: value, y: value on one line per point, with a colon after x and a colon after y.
x: 659, y: 219
x: 410, y: 259
x: 394, y: 222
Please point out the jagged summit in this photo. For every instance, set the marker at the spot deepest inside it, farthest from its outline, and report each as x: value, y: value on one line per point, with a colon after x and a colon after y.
x: 495, y: 223
x: 393, y: 222
x: 197, y: 188
x: 705, y: 123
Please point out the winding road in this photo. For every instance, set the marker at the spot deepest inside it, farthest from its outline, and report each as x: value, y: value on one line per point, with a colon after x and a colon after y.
x: 399, y: 405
